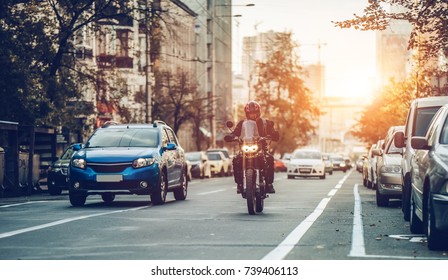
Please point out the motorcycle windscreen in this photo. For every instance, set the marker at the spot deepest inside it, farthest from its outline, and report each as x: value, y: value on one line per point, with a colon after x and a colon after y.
x: 249, y: 131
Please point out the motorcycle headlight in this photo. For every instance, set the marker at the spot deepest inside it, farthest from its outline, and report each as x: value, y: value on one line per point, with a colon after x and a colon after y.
x: 79, y: 163
x: 391, y: 169
x: 142, y: 162
x: 250, y: 148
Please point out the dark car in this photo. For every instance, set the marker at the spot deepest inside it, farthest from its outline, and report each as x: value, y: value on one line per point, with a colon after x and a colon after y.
x: 429, y: 183
x: 141, y: 159
x: 57, y: 179
x: 338, y: 162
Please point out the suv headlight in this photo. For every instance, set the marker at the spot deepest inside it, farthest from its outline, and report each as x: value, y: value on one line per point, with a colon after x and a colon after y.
x: 142, y: 162
x: 391, y: 169
x: 79, y: 163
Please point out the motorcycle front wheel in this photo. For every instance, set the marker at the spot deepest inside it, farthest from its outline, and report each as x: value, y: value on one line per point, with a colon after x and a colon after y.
x: 251, y: 196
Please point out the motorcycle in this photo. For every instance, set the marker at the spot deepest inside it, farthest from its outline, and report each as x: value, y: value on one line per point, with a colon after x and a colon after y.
x: 253, y: 164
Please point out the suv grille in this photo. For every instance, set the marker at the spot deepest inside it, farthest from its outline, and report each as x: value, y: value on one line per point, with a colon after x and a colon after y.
x: 108, y: 168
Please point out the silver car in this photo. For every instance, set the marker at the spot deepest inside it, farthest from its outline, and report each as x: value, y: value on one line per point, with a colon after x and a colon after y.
x: 389, y: 181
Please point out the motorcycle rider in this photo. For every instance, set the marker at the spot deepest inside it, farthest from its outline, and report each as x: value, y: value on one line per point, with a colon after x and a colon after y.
x: 265, y: 129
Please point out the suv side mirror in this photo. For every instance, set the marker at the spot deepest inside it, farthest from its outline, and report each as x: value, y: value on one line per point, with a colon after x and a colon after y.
x: 419, y: 143
x: 170, y: 147
x: 399, y: 139
x: 77, y: 147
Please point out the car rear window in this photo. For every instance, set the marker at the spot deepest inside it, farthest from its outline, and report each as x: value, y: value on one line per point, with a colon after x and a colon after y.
x: 422, y: 120
x: 126, y: 137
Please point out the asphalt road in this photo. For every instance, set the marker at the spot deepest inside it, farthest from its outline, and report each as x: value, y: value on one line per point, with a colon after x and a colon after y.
x: 307, y: 219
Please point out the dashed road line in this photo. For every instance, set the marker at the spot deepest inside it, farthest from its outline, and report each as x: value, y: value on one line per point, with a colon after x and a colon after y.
x: 286, y: 246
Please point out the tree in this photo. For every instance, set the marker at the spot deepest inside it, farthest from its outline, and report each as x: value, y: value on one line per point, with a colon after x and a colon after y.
x: 428, y: 18
x: 283, y: 95
x: 175, y: 98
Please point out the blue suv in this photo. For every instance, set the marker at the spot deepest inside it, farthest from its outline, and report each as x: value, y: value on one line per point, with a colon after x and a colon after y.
x: 141, y: 159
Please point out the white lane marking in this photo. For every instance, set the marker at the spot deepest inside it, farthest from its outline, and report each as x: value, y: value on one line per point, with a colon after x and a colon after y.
x: 358, y: 247
x: 23, y: 203
x: 332, y: 192
x: 286, y: 246
x: 210, y: 192
x: 64, y: 221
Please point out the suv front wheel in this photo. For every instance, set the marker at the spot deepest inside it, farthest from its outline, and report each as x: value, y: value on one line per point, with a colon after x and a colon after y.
x: 158, y: 196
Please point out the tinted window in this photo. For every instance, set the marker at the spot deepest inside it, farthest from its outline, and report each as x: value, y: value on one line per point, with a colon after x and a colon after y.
x: 193, y: 156
x: 68, y: 153
x: 126, y: 137
x: 422, y: 120
x: 172, y: 136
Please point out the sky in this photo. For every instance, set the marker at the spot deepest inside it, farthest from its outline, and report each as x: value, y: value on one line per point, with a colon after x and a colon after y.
x: 348, y: 54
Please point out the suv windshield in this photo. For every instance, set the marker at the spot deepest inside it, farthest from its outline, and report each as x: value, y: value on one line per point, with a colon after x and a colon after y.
x: 126, y: 137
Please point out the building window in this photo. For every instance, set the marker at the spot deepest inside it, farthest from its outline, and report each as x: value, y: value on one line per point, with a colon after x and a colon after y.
x: 123, y: 43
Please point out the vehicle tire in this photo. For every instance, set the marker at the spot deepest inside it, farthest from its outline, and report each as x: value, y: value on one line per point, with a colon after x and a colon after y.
x: 406, y: 198
x: 54, y: 190
x: 381, y: 200
x: 222, y: 173
x: 290, y: 177
x: 181, y: 192
x: 158, y: 196
x: 77, y: 198
x: 251, y: 191
x: 331, y: 172
x: 415, y: 225
x: 259, y: 202
x: 369, y: 184
x: 436, y: 239
x: 108, y: 197
x: 323, y: 176
x: 364, y: 182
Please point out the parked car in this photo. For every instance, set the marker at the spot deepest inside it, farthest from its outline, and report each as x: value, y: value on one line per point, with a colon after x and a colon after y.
x: 370, y: 166
x: 200, y: 166
x: 389, y: 182
x: 141, y: 159
x: 57, y: 179
x: 429, y: 193
x: 420, y: 114
x: 229, y: 165
x: 338, y: 162
x: 279, y: 166
x: 360, y: 162
x: 306, y: 163
x: 218, y: 163
x: 328, y: 163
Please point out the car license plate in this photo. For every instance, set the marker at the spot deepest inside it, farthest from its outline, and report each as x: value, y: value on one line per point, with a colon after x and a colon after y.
x: 109, y: 178
x: 305, y: 170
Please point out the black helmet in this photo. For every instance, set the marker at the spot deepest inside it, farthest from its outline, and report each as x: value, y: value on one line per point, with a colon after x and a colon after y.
x: 252, y: 110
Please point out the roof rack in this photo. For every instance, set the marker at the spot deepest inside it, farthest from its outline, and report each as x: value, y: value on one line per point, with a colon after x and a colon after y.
x: 157, y: 122
x: 109, y: 123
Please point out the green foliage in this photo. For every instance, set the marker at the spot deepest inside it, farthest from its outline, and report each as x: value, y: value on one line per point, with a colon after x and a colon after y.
x: 283, y: 96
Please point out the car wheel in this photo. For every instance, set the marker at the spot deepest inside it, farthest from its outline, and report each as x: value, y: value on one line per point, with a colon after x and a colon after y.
x: 290, y: 177
x: 54, y: 190
x: 221, y: 173
x: 331, y: 172
x: 158, y: 196
x: 381, y: 200
x: 77, y: 198
x: 181, y: 192
x: 416, y: 226
x: 108, y: 197
x: 436, y: 239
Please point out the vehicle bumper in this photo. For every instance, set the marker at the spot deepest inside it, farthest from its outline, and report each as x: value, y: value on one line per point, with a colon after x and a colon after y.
x: 440, y: 206
x: 130, y: 180
x: 306, y: 171
x: 390, y: 184
x: 57, y: 179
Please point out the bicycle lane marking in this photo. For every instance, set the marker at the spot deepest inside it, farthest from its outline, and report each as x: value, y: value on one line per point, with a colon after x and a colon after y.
x: 286, y: 246
x: 64, y: 221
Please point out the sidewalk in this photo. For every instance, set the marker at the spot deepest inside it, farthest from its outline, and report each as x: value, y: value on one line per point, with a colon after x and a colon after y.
x: 35, y: 196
